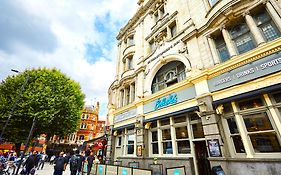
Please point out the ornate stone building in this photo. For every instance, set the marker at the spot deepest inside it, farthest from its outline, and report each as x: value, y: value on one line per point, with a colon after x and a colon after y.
x: 198, y: 84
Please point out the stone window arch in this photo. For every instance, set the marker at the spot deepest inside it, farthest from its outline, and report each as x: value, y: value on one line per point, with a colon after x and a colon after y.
x: 168, y: 75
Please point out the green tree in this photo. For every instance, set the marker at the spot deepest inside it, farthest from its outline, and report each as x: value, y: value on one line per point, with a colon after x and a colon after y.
x: 51, y: 97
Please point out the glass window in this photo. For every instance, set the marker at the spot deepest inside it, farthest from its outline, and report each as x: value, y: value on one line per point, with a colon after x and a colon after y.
x: 180, y: 119
x: 131, y: 41
x: 197, y: 130
x: 238, y: 144
x: 130, y: 63
x: 182, y: 140
x: 173, y: 29
x: 261, y: 133
x: 154, y: 124
x: 242, y: 38
x: 213, y: 2
x: 254, y: 103
x: 155, y: 149
x: 235, y: 135
x: 266, y: 25
x: 232, y: 126
x: 181, y: 133
x: 265, y: 142
x: 130, y: 144
x: 165, y: 122
x: 167, y: 142
x: 257, y: 122
x: 169, y: 74
x: 119, y: 141
x: 277, y: 97
x: 221, y: 48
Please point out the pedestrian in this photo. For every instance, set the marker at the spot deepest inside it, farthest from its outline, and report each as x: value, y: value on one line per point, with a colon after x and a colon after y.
x: 42, y: 161
x: 52, y: 159
x: 60, y: 164
x: 73, y: 163
x: 80, y: 162
x: 30, y: 163
x: 90, y: 160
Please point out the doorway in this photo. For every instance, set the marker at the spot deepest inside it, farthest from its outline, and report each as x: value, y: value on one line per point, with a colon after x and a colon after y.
x: 203, y: 164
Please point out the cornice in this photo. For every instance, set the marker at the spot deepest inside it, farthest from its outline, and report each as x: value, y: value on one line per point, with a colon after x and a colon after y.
x: 158, y: 28
x: 142, y: 10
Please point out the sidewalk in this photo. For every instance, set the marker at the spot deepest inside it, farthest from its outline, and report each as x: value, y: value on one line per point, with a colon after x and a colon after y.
x: 49, y: 170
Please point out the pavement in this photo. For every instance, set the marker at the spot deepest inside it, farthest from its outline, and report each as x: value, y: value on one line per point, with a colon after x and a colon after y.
x: 49, y: 170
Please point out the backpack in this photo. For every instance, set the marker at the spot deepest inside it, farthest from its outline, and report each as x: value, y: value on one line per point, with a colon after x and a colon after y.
x: 74, y: 161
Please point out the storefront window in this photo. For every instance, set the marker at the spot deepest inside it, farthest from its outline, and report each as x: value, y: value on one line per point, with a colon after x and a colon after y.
x: 167, y: 142
x: 235, y: 135
x: 130, y: 144
x: 238, y: 144
x: 165, y: 122
x: 182, y: 140
x: 254, y: 103
x: 180, y: 119
x: 155, y: 142
x: 197, y: 130
x: 261, y: 132
x: 277, y: 97
x: 265, y: 142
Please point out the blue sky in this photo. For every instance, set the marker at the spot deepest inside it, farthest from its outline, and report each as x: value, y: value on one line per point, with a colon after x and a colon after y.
x: 77, y: 37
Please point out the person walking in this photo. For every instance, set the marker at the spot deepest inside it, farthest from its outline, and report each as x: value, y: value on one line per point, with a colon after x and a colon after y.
x: 42, y: 161
x: 73, y: 163
x: 52, y: 159
x: 30, y: 163
x: 90, y: 160
x: 60, y: 164
x: 80, y: 163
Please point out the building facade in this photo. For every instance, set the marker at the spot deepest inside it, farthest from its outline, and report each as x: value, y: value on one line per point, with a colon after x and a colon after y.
x: 198, y: 84
x: 87, y: 129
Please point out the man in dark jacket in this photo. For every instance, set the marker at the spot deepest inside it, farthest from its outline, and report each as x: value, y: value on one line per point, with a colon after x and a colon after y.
x: 60, y: 164
x: 31, y: 162
x: 90, y: 160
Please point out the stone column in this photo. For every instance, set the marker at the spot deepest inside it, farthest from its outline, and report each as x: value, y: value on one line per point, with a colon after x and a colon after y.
x: 229, y: 44
x: 140, y: 139
x: 109, y: 151
x: 213, y: 50
x: 272, y: 12
x: 211, y: 123
x: 254, y: 29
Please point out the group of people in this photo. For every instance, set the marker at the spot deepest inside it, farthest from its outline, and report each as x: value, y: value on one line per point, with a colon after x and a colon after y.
x: 75, y: 162
x: 33, y: 162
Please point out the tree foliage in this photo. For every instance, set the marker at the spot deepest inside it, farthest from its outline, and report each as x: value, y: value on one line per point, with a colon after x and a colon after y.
x: 51, y: 97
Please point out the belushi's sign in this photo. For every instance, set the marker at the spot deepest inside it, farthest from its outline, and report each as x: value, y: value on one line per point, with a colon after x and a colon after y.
x: 170, y: 99
x: 166, y: 101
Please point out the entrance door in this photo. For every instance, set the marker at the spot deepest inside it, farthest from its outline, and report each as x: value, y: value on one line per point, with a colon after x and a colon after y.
x: 201, y: 153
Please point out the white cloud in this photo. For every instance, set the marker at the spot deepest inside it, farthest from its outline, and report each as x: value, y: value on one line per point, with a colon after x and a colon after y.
x: 57, y: 34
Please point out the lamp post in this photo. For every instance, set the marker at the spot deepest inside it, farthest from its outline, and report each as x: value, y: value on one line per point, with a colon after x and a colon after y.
x: 26, y: 144
x: 14, y: 105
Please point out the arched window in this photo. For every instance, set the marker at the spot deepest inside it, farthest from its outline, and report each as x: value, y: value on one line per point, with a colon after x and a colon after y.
x: 169, y: 74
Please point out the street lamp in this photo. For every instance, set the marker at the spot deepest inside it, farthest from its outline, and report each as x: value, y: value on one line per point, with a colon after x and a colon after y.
x: 14, y: 105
